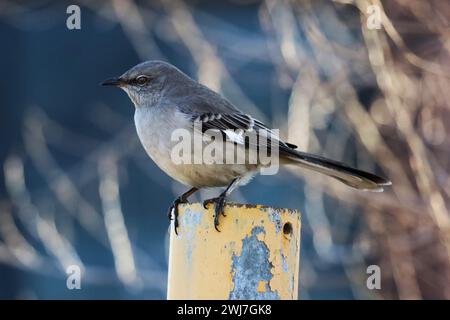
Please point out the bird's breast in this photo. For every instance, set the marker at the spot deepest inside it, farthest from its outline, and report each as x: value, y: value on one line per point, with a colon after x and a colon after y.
x: 155, y: 131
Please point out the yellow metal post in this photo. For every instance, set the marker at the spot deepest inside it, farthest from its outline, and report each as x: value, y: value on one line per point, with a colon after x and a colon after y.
x: 255, y: 256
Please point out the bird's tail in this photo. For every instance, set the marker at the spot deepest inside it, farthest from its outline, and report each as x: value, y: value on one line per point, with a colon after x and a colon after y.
x: 350, y: 176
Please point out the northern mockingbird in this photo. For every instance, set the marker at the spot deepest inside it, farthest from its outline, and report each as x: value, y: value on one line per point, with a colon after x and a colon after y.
x: 166, y: 99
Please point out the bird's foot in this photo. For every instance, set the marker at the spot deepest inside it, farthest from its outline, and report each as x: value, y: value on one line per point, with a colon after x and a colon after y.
x: 219, y: 208
x: 174, y: 208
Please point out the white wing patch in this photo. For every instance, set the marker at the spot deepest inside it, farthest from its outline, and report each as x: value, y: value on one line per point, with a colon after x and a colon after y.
x: 236, y: 136
x: 237, y: 126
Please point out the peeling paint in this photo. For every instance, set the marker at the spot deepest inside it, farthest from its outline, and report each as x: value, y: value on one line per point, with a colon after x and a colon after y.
x: 262, y: 286
x: 285, y: 265
x: 274, y: 216
x: 190, y: 220
x: 248, y: 259
x: 251, y: 268
x: 261, y: 207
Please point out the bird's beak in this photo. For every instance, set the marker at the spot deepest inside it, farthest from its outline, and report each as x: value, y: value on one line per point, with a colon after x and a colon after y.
x: 117, y: 82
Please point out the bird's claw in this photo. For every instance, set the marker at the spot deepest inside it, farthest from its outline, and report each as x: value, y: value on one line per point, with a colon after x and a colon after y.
x: 219, y: 209
x: 174, y: 208
x: 209, y: 201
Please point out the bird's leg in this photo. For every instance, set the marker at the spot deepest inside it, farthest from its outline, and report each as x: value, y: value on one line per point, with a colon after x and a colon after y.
x: 220, y: 202
x: 174, y: 207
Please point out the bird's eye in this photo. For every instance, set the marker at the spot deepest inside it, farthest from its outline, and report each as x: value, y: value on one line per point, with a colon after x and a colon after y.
x: 141, y: 80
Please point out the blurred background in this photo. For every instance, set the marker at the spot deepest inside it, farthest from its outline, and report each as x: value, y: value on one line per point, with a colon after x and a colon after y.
x: 361, y: 81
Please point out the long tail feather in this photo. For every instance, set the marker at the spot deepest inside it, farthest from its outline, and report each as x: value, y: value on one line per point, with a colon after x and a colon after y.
x: 350, y: 176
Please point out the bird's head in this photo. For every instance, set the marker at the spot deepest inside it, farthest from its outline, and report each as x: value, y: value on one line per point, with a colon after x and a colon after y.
x: 145, y: 82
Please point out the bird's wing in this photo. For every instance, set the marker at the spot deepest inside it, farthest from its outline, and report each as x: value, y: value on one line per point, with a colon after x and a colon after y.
x: 217, y: 113
x: 239, y: 127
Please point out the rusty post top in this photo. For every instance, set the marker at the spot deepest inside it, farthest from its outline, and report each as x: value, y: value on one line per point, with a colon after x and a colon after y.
x: 255, y: 256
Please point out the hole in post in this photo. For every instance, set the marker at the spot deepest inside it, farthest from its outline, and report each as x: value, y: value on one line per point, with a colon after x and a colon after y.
x: 287, y: 229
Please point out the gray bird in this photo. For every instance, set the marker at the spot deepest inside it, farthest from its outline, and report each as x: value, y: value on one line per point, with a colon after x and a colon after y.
x: 166, y: 99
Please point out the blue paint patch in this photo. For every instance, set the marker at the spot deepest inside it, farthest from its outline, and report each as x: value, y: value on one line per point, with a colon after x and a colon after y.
x: 274, y: 216
x: 252, y: 267
x: 284, y: 263
x: 189, y: 221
